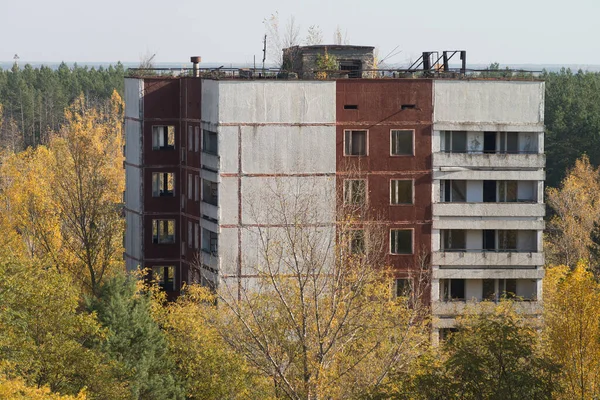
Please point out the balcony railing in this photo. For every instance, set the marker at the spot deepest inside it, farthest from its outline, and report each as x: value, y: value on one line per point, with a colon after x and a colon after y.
x: 461, y: 250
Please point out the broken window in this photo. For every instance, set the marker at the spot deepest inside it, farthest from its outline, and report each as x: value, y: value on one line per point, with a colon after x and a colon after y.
x: 454, y: 239
x: 163, y: 184
x: 402, y: 142
x: 507, y: 240
x: 509, y: 142
x: 355, y: 143
x: 163, y: 231
x: 164, y: 275
x: 355, y: 191
x: 403, y: 288
x: 401, y: 191
x: 210, y: 242
x: 454, y: 141
x: 357, y: 241
x: 453, y: 191
x: 452, y: 289
x: 163, y: 137
x: 209, y: 142
x: 210, y: 192
x: 401, y: 241
x: 507, y: 191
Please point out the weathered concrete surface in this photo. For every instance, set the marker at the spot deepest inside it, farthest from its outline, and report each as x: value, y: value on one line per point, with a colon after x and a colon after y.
x: 452, y: 308
x: 487, y: 273
x: 500, y: 161
x: 489, y: 223
x: 512, y: 103
x: 489, y: 210
x: 531, y: 259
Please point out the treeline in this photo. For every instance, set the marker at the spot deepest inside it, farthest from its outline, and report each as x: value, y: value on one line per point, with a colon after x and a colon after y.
x: 33, y: 100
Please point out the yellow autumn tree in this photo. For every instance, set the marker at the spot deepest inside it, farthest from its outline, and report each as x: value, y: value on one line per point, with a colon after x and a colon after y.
x: 63, y: 201
x: 572, y: 328
x: 17, y: 389
x: 87, y: 183
x: 576, y: 214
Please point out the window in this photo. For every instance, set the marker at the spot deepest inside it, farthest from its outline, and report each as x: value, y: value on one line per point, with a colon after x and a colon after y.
x: 489, y: 290
x: 209, y: 142
x: 190, y: 237
x: 355, y: 143
x: 163, y: 231
x: 355, y: 191
x: 507, y: 191
x: 452, y: 289
x: 446, y: 333
x: 357, y: 241
x: 454, y: 239
x: 402, y: 142
x: 197, y: 188
x: 403, y: 288
x: 197, y: 142
x: 190, y: 188
x: 508, y: 288
x: 210, y: 192
x: 164, y: 276
x: 197, y: 236
x: 453, y: 191
x: 401, y: 241
x: 401, y: 191
x: 163, y: 137
x: 210, y: 242
x: 507, y: 240
x: 509, y: 142
x: 190, y: 138
x: 163, y: 184
x: 454, y: 141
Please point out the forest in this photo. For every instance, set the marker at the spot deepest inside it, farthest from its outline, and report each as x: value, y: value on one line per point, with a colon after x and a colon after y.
x: 73, y: 325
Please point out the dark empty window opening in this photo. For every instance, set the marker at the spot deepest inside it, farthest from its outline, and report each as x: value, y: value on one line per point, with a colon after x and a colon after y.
x: 403, y: 288
x: 352, y: 67
x: 401, y: 142
x: 355, y: 143
x: 210, y: 143
x: 210, y: 192
x: 164, y: 276
x: 454, y: 240
x: 408, y: 106
x: 350, y: 106
x: 401, y: 241
x: 454, y: 289
x: 355, y: 191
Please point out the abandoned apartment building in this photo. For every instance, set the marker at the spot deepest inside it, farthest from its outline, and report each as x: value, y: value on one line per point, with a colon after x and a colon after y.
x: 453, y: 165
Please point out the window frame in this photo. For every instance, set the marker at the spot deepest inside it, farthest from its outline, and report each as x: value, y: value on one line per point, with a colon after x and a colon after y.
x: 412, y: 192
x: 164, y: 278
x: 164, y: 147
x: 344, y: 191
x: 392, y: 146
x: 156, y: 224
x: 366, y: 142
x: 408, y: 289
x: 205, y: 134
x: 162, y: 191
x: 412, y: 241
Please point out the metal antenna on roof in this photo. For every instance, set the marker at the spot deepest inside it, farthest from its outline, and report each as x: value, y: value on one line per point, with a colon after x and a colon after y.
x: 264, y: 52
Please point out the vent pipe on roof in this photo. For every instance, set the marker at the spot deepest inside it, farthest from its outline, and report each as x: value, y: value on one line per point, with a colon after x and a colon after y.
x: 195, y: 61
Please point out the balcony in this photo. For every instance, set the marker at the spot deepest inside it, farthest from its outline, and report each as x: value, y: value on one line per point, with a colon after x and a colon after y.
x: 517, y: 209
x: 452, y: 308
x: 210, y: 161
x: 488, y: 258
x: 210, y: 210
x: 489, y: 160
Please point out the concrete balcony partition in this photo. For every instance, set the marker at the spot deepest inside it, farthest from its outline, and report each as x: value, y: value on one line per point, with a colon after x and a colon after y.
x: 487, y: 258
x: 210, y: 161
x: 210, y: 211
x: 209, y: 260
x: 489, y: 210
x: 481, y: 160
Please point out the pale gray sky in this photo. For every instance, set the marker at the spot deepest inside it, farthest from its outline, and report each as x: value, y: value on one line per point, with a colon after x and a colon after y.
x: 507, y: 31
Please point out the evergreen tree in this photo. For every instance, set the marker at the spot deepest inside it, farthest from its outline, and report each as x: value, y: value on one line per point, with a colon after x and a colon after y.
x: 135, y: 340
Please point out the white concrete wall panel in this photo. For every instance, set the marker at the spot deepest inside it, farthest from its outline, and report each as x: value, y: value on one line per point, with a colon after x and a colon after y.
x: 228, y: 201
x: 228, y: 251
x: 282, y: 101
x: 133, y: 237
x: 458, y: 173
x: 210, y: 103
x: 489, y: 223
x: 489, y: 209
x: 473, y: 289
x: 488, y: 273
x: 267, y: 200
x: 133, y: 188
x: 133, y: 97
x: 474, y: 240
x: 485, y: 102
x: 288, y: 149
x: 500, y: 161
x: 475, y: 191
x: 133, y: 141
x: 526, y: 288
